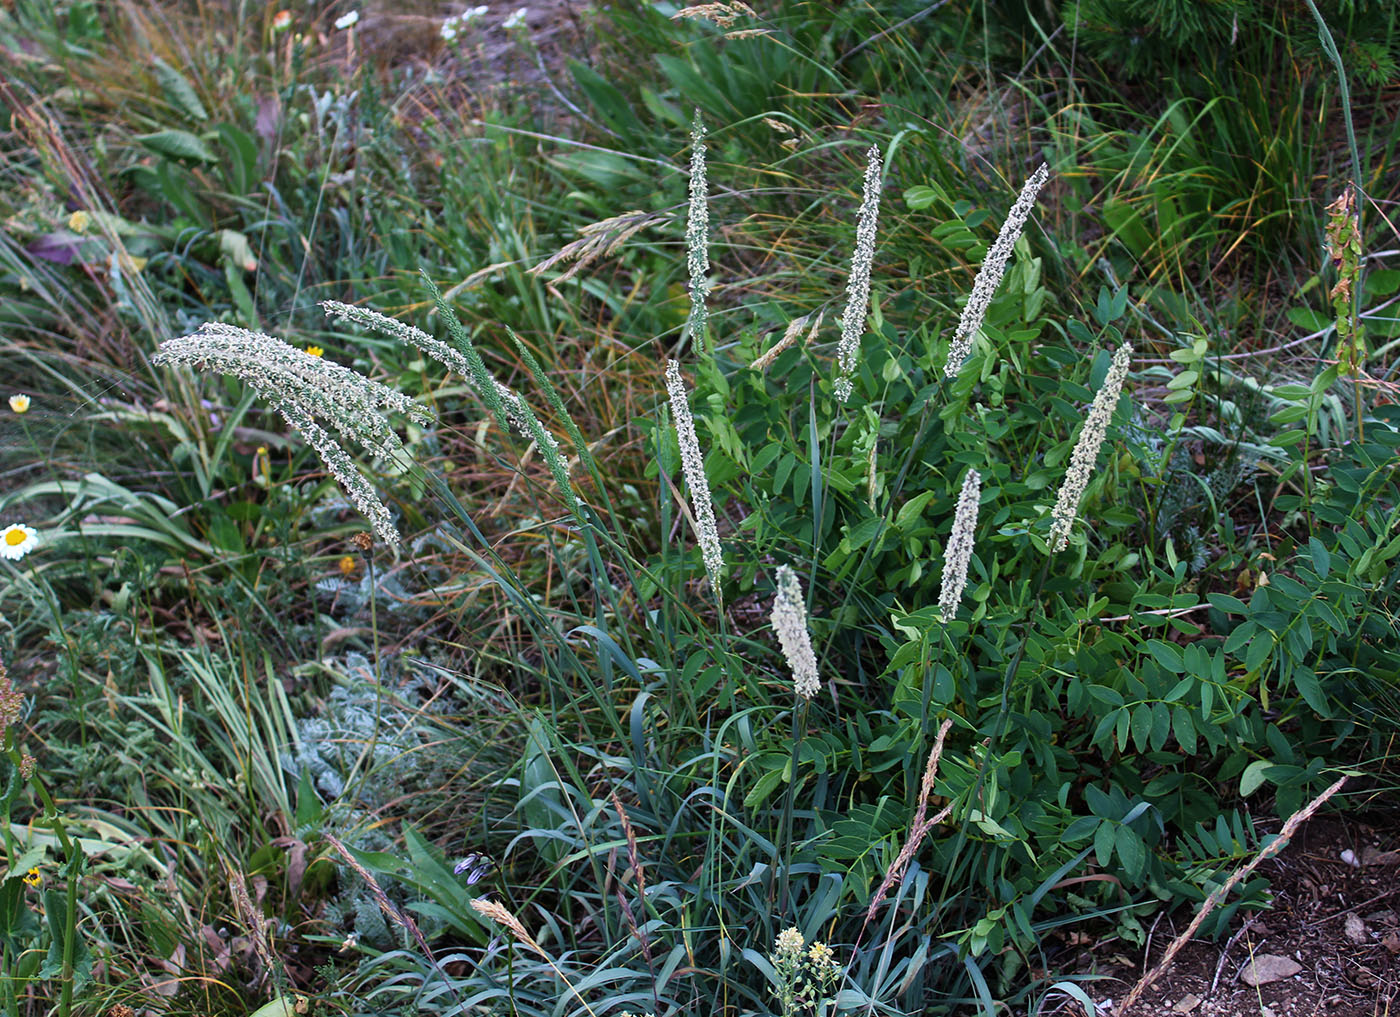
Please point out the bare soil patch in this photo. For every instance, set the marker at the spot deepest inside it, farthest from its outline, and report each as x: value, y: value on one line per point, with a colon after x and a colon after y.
x: 1329, y: 946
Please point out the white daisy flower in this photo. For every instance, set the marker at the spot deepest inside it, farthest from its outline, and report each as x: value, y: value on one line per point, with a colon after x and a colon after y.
x: 17, y: 540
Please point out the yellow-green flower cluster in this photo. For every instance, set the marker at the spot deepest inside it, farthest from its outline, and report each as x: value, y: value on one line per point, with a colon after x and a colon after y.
x: 806, y: 975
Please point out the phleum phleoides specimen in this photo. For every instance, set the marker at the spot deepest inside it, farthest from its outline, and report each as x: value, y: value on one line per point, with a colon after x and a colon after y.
x: 858, y: 288
x: 1086, y: 449
x: 790, y: 623
x: 993, y: 268
x: 697, y: 236
x: 693, y: 467
x: 959, y: 553
x: 307, y: 390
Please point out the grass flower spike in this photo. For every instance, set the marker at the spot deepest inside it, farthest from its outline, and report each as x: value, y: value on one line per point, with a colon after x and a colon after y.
x: 858, y: 288
x: 509, y: 407
x: 790, y: 623
x: 693, y: 466
x: 1086, y: 449
x: 306, y: 389
x: 17, y: 540
x: 993, y: 268
x: 697, y: 235
x: 959, y: 552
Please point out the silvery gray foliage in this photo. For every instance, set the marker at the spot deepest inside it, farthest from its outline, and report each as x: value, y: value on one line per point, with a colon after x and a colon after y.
x: 359, y: 715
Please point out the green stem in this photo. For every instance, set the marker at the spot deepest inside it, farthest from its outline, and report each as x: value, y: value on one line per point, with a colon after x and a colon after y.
x: 785, y: 838
x: 1003, y: 713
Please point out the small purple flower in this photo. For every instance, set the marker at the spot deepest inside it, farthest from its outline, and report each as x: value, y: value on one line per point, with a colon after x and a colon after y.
x: 477, y: 867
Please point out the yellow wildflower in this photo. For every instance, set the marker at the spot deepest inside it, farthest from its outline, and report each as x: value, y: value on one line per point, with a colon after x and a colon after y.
x: 19, y: 403
x: 32, y: 878
x: 315, y: 351
x: 79, y: 221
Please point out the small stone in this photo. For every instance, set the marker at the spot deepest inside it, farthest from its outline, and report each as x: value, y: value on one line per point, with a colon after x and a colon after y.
x: 1187, y: 1003
x: 1356, y: 929
x: 1269, y: 967
x: 1265, y: 1011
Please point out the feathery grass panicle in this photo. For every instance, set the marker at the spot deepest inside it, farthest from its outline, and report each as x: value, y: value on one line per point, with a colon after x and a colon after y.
x: 595, y: 240
x: 693, y: 466
x: 790, y: 334
x: 993, y: 268
x: 362, y: 495
x: 920, y: 826
x: 305, y: 388
x: 498, y: 913
x: 697, y: 235
x: 790, y: 623
x: 959, y: 552
x: 1086, y: 449
x: 858, y: 287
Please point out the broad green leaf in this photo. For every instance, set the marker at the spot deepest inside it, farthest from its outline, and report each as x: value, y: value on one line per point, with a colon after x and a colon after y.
x: 178, y: 145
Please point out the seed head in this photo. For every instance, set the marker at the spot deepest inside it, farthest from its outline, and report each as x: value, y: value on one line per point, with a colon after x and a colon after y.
x: 693, y: 466
x: 306, y: 389
x: 959, y: 553
x: 697, y: 235
x: 993, y: 267
x: 858, y: 288
x: 1086, y: 449
x: 790, y: 623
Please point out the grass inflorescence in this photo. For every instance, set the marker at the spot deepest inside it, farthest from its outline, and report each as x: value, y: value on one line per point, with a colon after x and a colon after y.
x: 707, y: 661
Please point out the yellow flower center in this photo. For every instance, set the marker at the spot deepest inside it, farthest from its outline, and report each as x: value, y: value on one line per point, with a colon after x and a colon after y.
x: 15, y: 537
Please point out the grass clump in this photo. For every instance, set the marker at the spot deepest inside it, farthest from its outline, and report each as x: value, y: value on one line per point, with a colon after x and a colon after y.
x: 1069, y: 603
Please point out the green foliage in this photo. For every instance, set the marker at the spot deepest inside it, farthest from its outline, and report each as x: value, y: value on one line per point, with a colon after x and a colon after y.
x: 656, y: 806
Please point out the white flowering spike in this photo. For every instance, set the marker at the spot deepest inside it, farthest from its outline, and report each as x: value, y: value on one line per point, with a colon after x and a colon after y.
x: 993, y: 268
x: 516, y: 410
x: 959, y: 552
x: 305, y: 388
x: 790, y: 623
x: 515, y: 19
x: 1086, y: 449
x: 858, y: 288
x: 693, y: 466
x: 347, y: 20
x: 697, y: 235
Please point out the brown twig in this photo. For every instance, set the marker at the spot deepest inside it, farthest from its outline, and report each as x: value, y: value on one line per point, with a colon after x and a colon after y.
x: 1278, y: 844
x: 918, y: 829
